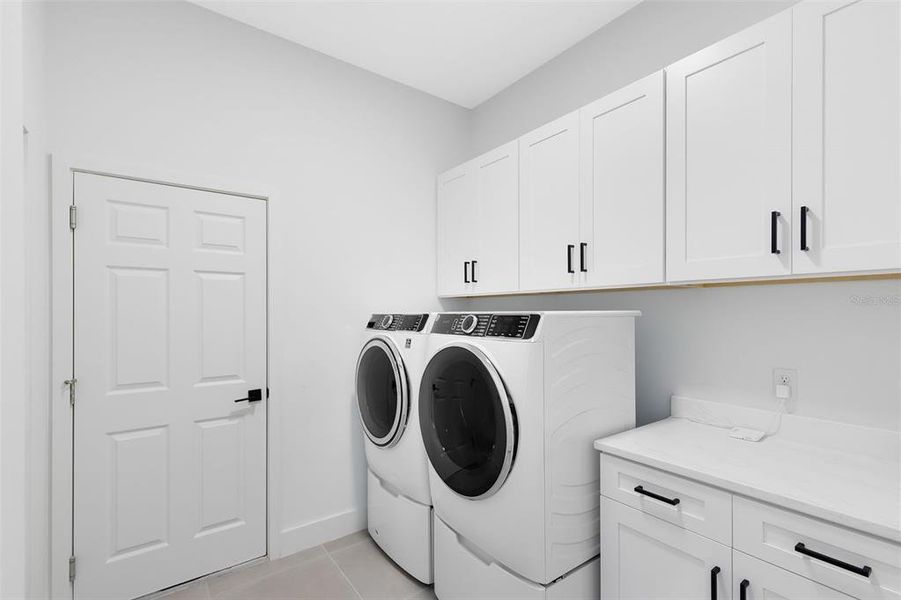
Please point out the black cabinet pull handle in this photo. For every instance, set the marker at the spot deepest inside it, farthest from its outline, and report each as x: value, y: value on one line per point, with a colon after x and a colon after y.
x: 252, y: 396
x: 800, y: 548
x: 466, y: 272
x: 670, y: 501
x: 774, y: 232
x: 743, y: 589
x: 569, y: 258
x: 713, y: 573
x: 582, y: 259
x: 474, y: 263
x: 804, y: 211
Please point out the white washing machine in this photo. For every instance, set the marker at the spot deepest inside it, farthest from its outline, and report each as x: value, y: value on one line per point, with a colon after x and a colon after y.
x: 509, y: 406
x: 399, y: 505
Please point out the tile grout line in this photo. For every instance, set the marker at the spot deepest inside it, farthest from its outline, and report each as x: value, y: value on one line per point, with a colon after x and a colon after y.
x: 343, y: 574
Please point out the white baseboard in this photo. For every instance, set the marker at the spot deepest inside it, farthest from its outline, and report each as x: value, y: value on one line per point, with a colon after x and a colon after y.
x: 312, y: 533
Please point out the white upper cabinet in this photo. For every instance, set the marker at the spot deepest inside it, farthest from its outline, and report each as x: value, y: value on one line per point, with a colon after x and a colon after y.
x: 455, y: 212
x: 478, y: 225
x: 728, y: 153
x: 495, y: 262
x: 622, y: 175
x: 773, y: 153
x: 549, y: 206
x: 847, y: 106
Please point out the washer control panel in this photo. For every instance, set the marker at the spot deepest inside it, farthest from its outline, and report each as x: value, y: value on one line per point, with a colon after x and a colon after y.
x: 520, y: 327
x: 398, y: 322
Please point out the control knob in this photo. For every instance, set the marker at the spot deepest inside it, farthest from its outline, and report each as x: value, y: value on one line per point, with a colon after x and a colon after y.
x: 386, y: 321
x: 468, y: 325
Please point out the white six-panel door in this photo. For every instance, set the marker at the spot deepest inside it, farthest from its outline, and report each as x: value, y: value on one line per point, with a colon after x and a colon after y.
x: 728, y: 127
x: 170, y: 330
x: 622, y: 176
x: 847, y: 135
x: 549, y: 206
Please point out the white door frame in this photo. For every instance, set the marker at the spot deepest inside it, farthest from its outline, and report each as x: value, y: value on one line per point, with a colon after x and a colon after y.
x: 61, y: 417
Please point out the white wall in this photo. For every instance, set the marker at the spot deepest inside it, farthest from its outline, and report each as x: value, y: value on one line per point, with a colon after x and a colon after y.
x: 353, y: 157
x: 712, y: 343
x: 647, y: 38
x: 13, y: 362
x: 37, y: 311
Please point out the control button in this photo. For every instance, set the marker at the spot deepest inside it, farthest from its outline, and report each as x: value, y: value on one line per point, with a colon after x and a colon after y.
x: 386, y: 321
x: 468, y: 325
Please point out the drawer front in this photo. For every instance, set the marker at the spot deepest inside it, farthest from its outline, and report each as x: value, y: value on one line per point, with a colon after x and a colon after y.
x: 700, y: 508
x: 773, y: 534
x: 754, y: 579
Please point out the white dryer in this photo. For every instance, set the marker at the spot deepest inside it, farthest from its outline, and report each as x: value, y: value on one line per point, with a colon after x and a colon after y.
x: 399, y: 505
x: 509, y: 406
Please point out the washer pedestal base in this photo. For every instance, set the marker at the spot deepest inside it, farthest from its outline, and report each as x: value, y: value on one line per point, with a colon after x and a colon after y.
x: 462, y: 572
x: 401, y: 527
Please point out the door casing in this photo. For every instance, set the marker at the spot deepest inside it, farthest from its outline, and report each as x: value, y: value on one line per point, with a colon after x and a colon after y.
x: 62, y: 344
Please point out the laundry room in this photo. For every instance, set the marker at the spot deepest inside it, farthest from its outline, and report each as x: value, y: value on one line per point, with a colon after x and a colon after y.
x: 480, y: 299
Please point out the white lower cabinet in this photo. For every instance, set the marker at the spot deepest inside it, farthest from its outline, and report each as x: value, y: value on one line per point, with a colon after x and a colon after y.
x: 645, y: 558
x: 755, y: 579
x: 658, y: 541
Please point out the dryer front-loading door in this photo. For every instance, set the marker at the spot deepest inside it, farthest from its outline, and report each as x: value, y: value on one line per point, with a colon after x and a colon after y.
x: 467, y: 420
x: 382, y: 392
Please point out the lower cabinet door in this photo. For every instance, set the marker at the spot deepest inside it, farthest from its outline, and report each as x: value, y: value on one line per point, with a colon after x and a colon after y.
x: 643, y: 557
x: 758, y: 580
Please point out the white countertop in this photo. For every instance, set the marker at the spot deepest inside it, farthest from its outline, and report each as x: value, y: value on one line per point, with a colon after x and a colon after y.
x: 840, y: 473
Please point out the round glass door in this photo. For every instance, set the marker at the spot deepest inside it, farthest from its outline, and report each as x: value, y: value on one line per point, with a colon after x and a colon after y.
x: 382, y: 392
x: 467, y: 420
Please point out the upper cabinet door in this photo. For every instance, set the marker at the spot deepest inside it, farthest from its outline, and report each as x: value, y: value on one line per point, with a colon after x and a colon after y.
x: 549, y: 206
x: 455, y: 212
x: 496, y: 257
x: 622, y: 174
x: 728, y: 152
x: 847, y: 107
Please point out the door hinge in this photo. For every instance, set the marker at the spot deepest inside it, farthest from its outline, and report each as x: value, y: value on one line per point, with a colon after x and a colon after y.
x: 73, y: 211
x: 71, y: 383
x: 72, y: 569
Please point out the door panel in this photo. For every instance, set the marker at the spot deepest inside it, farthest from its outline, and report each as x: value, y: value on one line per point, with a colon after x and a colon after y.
x: 847, y: 135
x: 645, y: 558
x: 549, y: 205
x: 456, y: 208
x: 497, y: 252
x: 622, y: 185
x: 763, y: 581
x: 170, y: 330
x: 729, y: 156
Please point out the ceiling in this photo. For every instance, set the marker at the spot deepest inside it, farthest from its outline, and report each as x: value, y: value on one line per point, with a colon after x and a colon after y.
x: 464, y: 51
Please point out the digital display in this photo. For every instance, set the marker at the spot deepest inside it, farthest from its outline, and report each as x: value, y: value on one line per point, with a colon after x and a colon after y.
x: 508, y: 325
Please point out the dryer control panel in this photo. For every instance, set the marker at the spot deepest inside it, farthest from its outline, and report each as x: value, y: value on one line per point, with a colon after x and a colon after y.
x: 520, y: 327
x: 398, y: 322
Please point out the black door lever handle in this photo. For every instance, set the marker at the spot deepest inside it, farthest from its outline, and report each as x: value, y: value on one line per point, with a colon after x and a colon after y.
x: 252, y: 396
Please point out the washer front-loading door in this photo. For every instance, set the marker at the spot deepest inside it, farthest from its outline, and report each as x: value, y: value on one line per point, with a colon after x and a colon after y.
x: 467, y: 420
x: 382, y: 392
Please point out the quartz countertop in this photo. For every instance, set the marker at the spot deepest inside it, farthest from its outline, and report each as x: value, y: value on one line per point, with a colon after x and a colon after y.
x: 843, y: 474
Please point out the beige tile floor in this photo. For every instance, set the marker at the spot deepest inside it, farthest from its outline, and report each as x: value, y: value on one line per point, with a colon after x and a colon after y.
x: 351, y: 568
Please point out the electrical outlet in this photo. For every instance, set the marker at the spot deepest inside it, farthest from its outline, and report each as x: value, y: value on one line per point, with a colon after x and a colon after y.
x: 788, y: 378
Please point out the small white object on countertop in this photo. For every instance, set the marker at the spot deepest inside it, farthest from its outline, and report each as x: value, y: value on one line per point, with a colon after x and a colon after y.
x: 838, y: 472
